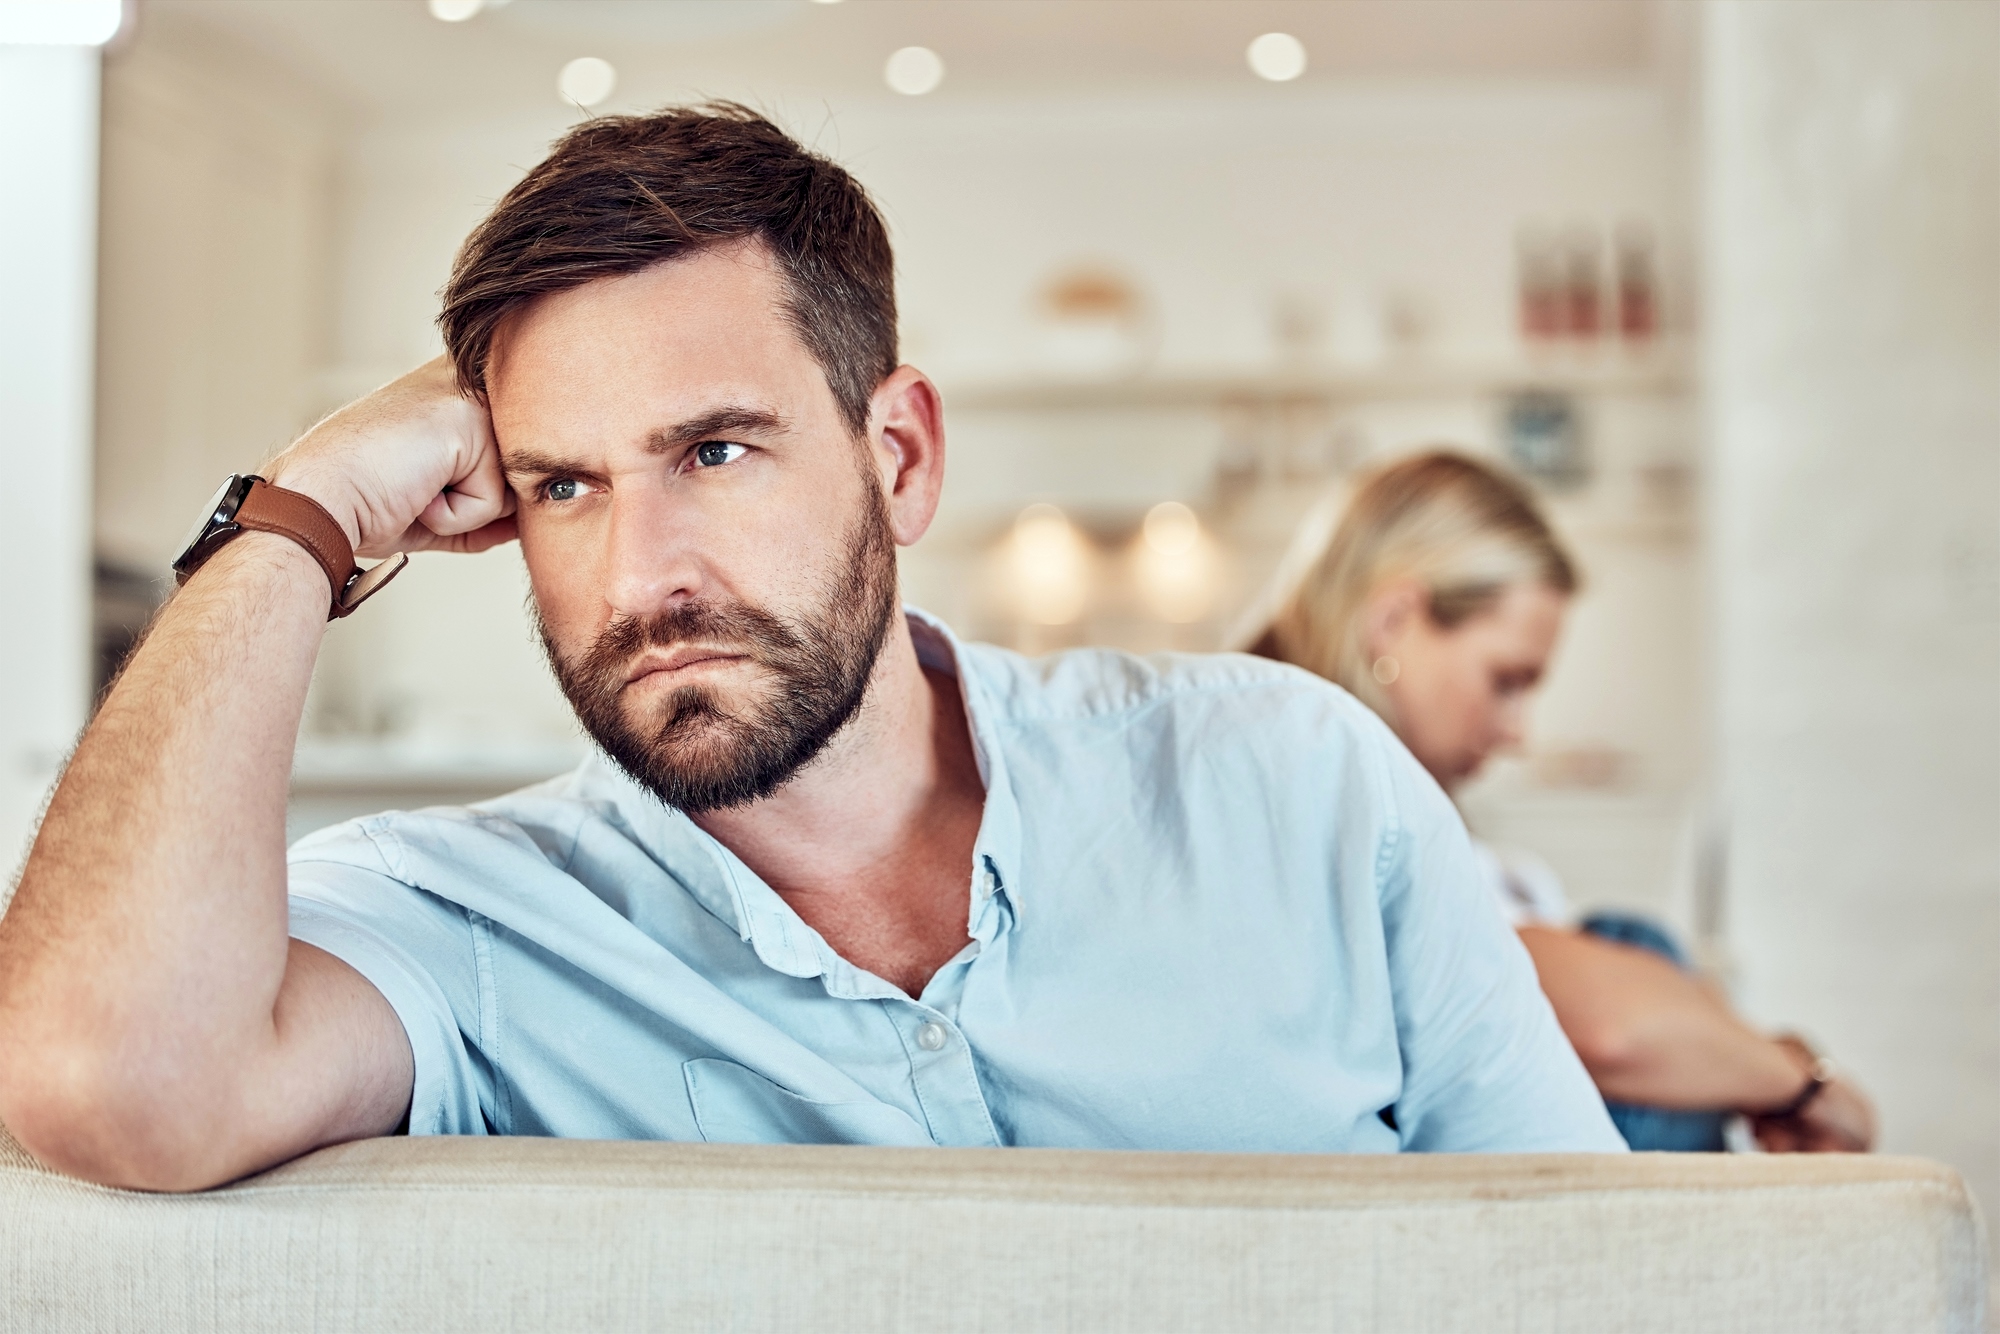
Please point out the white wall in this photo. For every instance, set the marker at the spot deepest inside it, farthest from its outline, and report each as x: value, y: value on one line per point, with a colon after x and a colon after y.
x: 1853, y: 233
x: 48, y: 159
x: 218, y: 213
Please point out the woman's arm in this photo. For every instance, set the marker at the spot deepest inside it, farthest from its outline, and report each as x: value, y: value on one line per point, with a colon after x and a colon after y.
x: 1649, y: 1033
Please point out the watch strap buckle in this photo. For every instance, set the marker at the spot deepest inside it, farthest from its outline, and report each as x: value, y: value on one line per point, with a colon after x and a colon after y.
x: 364, y: 584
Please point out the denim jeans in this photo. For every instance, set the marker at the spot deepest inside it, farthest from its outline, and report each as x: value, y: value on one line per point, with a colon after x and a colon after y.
x: 1655, y: 1129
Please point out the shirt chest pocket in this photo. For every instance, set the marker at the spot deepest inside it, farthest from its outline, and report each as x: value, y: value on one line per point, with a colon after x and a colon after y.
x: 735, y: 1105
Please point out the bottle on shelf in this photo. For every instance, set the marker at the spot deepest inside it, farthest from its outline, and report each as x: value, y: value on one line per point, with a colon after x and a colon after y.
x: 1638, y: 289
x: 1539, y: 275
x: 1582, y: 284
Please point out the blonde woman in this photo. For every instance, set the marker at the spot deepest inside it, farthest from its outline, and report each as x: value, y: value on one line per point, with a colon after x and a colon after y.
x: 1437, y: 599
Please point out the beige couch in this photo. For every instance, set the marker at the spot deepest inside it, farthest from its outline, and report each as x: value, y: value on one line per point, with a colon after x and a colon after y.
x: 538, y: 1235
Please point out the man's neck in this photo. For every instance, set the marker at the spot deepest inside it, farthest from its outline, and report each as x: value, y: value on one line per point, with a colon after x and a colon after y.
x: 871, y: 843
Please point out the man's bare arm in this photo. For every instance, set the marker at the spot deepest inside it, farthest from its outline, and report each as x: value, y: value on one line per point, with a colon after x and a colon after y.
x: 158, y: 1028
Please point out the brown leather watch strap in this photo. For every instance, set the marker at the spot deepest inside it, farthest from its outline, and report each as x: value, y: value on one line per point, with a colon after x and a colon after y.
x: 272, y: 509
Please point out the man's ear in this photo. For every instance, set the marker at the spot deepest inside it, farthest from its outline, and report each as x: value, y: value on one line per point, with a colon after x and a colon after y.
x: 1390, y: 613
x: 906, y: 441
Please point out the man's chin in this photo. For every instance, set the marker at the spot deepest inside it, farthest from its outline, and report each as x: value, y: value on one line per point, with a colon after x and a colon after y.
x: 708, y: 709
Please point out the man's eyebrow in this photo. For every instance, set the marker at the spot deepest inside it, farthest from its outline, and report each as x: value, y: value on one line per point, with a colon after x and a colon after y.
x: 534, y: 463
x: 734, y: 420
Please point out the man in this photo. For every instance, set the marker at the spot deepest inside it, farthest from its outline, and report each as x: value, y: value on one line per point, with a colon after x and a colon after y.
x: 836, y: 877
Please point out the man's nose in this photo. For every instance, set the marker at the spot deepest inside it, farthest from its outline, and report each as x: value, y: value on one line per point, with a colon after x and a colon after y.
x: 652, y: 555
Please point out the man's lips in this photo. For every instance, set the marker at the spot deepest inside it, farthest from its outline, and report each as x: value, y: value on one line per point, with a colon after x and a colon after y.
x: 679, y: 658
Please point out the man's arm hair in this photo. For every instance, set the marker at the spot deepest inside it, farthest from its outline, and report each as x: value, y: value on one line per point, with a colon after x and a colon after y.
x: 158, y: 1026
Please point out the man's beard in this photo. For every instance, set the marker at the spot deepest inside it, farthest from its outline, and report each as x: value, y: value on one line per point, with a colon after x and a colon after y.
x: 693, y: 753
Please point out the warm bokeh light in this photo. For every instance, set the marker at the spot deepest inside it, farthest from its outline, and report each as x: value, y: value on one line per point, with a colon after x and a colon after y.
x: 1176, y: 565
x: 1048, y: 566
x: 1277, y: 56
x: 914, y: 70
x: 455, y: 11
x: 1171, y: 527
x: 586, y: 81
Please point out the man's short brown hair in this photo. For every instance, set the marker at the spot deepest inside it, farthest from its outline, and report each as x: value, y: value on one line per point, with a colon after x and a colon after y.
x: 622, y: 193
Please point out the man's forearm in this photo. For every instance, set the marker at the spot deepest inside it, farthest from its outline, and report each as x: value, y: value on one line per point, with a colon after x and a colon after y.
x: 144, y: 951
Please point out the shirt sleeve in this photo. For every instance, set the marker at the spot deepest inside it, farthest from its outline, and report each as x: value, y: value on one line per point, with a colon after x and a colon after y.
x: 1486, y: 1067
x: 414, y: 948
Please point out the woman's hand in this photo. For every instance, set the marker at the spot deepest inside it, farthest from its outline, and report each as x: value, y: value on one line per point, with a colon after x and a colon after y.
x: 1839, y: 1119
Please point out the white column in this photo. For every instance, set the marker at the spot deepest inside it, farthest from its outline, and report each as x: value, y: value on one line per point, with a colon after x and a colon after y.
x: 48, y: 266
x: 1853, y: 347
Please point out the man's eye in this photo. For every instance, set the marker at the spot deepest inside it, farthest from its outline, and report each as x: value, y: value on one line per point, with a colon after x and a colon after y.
x: 715, y: 453
x: 563, y: 488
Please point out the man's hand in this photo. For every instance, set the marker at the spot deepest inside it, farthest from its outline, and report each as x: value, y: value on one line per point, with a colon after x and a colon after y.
x: 411, y: 467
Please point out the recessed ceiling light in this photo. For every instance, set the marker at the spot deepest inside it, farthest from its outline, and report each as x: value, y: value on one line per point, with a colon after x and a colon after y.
x: 914, y: 70
x: 60, y: 22
x: 586, y: 81
x: 455, y: 11
x: 1278, y: 56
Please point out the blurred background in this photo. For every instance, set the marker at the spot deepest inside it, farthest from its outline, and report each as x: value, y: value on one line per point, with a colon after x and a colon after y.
x: 1722, y: 278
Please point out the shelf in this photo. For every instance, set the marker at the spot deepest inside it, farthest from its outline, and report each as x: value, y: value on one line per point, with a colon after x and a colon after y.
x: 1661, y: 374
x: 369, y: 764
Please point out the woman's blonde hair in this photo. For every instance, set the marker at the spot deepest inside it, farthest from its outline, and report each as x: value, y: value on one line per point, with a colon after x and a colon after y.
x: 1462, y: 529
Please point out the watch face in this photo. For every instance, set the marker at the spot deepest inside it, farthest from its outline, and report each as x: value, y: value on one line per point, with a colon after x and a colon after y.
x: 222, y: 507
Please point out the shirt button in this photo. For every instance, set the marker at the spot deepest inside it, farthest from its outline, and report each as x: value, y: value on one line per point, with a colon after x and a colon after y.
x: 931, y: 1036
x: 988, y: 883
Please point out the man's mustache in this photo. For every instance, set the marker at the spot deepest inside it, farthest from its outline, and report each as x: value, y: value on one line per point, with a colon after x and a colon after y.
x: 761, y: 635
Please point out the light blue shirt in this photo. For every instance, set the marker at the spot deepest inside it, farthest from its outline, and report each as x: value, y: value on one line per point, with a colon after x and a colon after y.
x: 1213, y: 905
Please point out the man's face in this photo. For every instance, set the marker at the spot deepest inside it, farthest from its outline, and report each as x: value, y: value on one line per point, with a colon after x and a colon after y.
x: 711, y: 557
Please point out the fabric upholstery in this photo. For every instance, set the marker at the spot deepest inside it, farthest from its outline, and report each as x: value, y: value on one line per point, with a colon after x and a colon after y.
x: 523, y: 1234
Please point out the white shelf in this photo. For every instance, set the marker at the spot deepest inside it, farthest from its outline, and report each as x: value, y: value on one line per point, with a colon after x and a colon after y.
x: 1658, y: 374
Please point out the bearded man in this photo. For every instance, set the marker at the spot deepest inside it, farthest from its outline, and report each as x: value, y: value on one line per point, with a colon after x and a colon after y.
x: 832, y: 876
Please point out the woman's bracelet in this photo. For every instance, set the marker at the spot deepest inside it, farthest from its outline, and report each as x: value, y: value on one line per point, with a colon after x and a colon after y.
x: 1817, y: 1078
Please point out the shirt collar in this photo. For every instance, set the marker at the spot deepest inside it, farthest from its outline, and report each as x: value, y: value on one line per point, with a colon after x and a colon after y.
x: 997, y: 849
x: 737, y: 896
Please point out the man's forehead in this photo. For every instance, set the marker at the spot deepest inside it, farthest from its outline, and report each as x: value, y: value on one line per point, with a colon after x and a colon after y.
x: 731, y: 292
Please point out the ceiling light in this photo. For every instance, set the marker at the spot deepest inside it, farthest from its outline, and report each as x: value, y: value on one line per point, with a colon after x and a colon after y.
x: 1278, y: 56
x: 60, y: 22
x: 914, y: 71
x: 586, y: 81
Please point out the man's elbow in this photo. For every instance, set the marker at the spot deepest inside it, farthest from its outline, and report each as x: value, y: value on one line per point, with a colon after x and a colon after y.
x: 76, y: 1117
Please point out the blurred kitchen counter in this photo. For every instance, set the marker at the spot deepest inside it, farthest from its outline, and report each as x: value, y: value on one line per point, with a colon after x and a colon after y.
x: 335, y: 779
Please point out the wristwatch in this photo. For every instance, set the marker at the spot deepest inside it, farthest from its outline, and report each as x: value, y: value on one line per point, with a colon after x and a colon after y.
x: 248, y: 503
